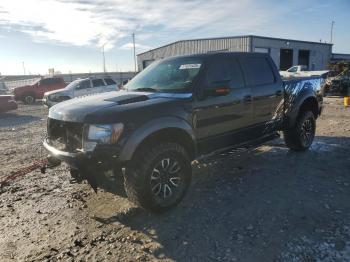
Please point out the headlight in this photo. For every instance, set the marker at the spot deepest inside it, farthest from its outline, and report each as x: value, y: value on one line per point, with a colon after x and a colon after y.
x: 56, y: 98
x: 105, y: 134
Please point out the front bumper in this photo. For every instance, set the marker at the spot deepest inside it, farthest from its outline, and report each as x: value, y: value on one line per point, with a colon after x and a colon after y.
x: 101, y: 158
x: 47, y: 102
x: 73, y: 159
x: 8, y: 106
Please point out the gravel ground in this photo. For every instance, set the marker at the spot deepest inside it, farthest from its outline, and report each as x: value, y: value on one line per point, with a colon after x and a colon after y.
x: 269, y: 204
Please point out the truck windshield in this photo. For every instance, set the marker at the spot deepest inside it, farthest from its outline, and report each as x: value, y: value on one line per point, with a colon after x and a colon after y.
x: 73, y: 84
x: 174, y: 75
x: 293, y: 69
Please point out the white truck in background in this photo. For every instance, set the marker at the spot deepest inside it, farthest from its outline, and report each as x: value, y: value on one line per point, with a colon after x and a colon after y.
x: 78, y: 88
x: 301, y: 71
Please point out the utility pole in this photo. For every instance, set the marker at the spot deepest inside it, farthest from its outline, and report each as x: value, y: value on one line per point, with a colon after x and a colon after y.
x: 24, y: 69
x: 133, y: 41
x: 332, y: 25
x: 103, y: 57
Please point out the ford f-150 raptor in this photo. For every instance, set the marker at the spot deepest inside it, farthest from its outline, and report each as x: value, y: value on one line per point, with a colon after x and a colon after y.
x: 175, y: 111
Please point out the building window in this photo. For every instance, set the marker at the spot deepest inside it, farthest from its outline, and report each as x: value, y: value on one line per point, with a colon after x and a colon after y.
x: 264, y: 50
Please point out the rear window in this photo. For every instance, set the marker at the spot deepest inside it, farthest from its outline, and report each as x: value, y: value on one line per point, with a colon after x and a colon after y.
x: 257, y: 71
x: 110, y: 81
x: 97, y: 82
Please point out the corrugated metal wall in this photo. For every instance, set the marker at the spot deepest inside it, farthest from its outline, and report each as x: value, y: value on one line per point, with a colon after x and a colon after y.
x: 238, y: 44
x: 320, y: 54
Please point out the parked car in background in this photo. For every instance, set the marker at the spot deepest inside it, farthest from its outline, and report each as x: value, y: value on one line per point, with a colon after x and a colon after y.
x: 301, y: 71
x: 29, y: 93
x: 3, y: 88
x: 80, y: 87
x: 7, y: 103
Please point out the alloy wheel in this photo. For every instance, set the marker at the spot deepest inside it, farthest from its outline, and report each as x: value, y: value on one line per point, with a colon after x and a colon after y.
x: 29, y: 99
x: 166, y: 179
x: 307, y: 132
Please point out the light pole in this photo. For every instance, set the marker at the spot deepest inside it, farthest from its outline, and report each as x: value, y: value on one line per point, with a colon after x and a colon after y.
x: 133, y: 41
x: 332, y: 25
x: 103, y: 57
x: 24, y: 69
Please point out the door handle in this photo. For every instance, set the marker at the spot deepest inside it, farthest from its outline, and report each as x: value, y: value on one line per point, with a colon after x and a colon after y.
x: 247, y: 99
x: 279, y: 93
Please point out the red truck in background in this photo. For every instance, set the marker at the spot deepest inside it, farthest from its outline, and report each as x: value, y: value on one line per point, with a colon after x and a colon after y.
x: 7, y: 103
x: 29, y: 93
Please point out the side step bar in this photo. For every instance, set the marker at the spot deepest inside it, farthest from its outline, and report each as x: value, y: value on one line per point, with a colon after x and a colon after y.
x: 239, y: 148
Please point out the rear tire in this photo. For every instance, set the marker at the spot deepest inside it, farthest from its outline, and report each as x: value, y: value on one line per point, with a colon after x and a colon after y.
x: 159, y: 176
x: 301, y: 135
x: 28, y: 99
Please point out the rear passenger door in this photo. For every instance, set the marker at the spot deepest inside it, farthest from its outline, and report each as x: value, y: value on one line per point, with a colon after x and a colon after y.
x: 267, y: 93
x: 218, y: 120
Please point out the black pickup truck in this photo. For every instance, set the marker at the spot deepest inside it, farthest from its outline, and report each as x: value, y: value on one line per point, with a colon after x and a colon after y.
x: 178, y: 110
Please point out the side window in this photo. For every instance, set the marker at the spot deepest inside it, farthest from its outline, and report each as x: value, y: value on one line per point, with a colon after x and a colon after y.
x: 237, y: 75
x: 97, y: 82
x: 57, y: 80
x: 83, y: 85
x: 218, y: 71
x: 257, y: 71
x: 46, y: 81
x: 109, y: 81
x: 225, y: 70
x: 50, y: 81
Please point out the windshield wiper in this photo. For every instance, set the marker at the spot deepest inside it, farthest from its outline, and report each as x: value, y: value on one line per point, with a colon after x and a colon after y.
x: 145, y: 89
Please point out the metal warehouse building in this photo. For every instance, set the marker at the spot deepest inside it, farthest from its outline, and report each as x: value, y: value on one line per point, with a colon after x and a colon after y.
x: 285, y: 52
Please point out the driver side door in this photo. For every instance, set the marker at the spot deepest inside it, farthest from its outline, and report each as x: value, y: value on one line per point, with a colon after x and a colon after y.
x: 83, y: 88
x: 218, y: 120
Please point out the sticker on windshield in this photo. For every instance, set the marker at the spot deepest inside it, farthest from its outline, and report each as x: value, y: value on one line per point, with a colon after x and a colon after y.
x: 190, y: 66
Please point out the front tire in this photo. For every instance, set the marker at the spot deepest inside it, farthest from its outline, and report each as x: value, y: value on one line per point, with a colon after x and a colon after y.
x: 301, y: 135
x: 159, y: 177
x: 76, y: 174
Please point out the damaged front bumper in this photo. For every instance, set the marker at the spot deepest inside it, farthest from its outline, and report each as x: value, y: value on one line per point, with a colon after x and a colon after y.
x: 91, y: 165
x: 73, y: 159
x: 102, y: 157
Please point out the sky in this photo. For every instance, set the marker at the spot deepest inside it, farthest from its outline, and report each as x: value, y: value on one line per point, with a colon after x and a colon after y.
x: 68, y: 35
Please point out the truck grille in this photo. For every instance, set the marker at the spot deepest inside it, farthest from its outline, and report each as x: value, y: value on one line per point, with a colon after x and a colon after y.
x: 64, y: 136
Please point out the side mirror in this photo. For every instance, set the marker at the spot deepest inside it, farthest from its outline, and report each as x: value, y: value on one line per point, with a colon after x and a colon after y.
x: 221, y: 88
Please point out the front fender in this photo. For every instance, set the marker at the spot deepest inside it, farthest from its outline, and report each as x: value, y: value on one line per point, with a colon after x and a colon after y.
x: 152, y: 127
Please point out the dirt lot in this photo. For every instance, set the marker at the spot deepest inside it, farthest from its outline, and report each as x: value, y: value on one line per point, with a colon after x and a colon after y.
x: 269, y: 204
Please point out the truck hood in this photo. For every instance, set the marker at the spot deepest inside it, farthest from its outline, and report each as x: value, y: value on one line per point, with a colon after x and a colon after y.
x: 105, y: 107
